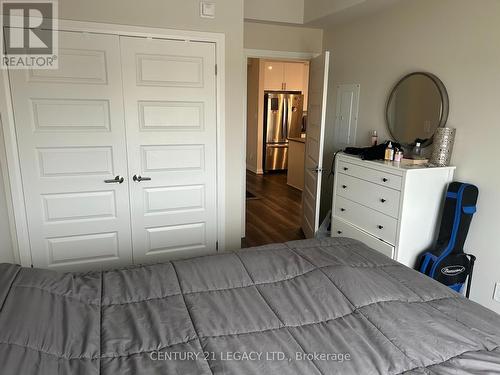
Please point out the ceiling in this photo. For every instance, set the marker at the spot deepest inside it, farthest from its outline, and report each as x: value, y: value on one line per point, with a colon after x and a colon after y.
x: 311, y: 13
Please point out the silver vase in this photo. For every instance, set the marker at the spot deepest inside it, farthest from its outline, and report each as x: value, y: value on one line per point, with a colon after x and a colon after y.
x: 444, y: 138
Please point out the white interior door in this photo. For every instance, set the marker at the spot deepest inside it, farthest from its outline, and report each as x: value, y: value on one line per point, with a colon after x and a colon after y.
x: 170, y: 111
x: 71, y: 138
x: 318, y: 90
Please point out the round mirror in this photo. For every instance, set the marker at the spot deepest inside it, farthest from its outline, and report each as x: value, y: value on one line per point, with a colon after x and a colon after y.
x: 417, y: 106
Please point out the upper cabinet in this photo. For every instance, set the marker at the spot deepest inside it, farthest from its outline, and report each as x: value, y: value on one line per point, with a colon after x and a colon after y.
x: 274, y: 72
x: 287, y: 76
x: 294, y: 76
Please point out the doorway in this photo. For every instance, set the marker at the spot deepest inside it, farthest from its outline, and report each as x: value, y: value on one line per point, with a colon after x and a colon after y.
x: 277, y: 92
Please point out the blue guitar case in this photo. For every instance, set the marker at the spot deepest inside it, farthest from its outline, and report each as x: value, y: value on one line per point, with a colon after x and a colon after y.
x: 447, y: 262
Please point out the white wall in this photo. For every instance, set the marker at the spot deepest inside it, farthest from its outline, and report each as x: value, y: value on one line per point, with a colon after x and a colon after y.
x: 314, y: 9
x: 458, y: 41
x: 184, y: 14
x: 282, y: 38
x: 287, y: 11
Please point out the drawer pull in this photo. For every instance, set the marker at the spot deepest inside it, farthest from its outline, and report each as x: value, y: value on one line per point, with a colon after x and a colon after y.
x: 344, y: 186
x: 380, y: 227
x: 346, y: 169
x: 339, y: 232
x: 342, y: 209
x: 385, y: 179
x: 383, y: 200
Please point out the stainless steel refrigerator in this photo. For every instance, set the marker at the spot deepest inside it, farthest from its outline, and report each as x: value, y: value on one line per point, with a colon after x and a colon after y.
x: 282, y: 120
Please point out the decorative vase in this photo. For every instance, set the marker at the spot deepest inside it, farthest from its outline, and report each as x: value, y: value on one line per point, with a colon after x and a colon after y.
x: 444, y: 138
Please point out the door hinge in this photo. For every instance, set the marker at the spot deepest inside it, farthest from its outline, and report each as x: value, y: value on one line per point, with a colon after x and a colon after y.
x: 215, y: 69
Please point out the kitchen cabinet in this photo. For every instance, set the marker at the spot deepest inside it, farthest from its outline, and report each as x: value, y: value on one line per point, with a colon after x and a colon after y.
x: 274, y: 72
x: 287, y: 76
x: 293, y: 76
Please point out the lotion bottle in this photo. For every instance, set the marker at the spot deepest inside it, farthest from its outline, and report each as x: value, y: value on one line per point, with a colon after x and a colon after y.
x: 389, y: 152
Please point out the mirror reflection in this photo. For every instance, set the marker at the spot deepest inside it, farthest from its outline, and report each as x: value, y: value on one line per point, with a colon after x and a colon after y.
x: 417, y: 106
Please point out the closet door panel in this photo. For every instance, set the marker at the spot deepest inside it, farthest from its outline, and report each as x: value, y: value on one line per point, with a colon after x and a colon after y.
x: 170, y: 111
x: 71, y: 137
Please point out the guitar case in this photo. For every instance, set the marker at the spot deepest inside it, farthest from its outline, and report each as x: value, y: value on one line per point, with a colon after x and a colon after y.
x: 447, y: 262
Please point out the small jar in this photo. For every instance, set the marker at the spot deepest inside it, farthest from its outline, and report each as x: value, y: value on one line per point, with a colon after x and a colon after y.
x: 398, y: 156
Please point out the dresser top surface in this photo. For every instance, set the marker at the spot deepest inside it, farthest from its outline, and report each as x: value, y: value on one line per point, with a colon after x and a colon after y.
x: 395, y: 166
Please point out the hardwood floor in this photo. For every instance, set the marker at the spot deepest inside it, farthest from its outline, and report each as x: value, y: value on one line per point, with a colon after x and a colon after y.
x: 274, y: 214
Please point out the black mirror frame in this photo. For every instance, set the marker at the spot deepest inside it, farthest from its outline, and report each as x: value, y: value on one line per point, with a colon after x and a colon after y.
x: 445, y: 102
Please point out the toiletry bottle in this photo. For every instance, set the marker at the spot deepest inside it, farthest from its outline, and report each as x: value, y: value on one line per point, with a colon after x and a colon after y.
x: 389, y: 152
x: 398, y: 156
x: 417, y: 150
x: 374, y: 138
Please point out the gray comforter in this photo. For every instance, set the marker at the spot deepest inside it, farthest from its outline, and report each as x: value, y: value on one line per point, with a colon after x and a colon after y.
x: 328, y: 306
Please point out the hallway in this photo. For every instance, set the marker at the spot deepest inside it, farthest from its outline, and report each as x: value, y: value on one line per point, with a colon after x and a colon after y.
x: 274, y: 214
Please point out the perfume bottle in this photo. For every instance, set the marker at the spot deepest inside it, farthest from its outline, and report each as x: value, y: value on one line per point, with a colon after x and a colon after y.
x: 374, y: 138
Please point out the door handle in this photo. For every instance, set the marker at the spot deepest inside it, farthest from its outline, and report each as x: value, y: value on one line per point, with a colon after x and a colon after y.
x: 284, y: 120
x: 140, y: 178
x: 316, y: 169
x: 116, y: 180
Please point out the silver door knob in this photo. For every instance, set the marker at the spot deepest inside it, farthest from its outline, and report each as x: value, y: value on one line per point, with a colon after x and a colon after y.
x: 116, y: 180
x: 140, y: 178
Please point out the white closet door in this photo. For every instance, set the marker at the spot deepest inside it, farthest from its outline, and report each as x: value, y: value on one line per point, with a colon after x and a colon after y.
x: 71, y: 138
x: 318, y: 92
x: 170, y: 114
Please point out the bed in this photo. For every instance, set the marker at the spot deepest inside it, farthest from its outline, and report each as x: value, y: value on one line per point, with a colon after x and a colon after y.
x: 329, y: 306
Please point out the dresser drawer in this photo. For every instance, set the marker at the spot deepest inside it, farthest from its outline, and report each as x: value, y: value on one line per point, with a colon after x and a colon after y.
x: 371, y: 221
x: 369, y: 194
x: 342, y: 229
x: 373, y: 175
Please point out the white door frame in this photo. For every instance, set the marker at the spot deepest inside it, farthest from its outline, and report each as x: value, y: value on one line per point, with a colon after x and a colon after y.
x: 259, y: 54
x: 12, y: 176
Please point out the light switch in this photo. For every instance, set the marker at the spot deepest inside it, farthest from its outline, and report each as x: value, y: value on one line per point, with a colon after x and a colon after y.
x: 207, y: 9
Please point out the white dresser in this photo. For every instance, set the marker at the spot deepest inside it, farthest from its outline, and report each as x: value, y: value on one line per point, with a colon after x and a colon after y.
x: 392, y: 207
